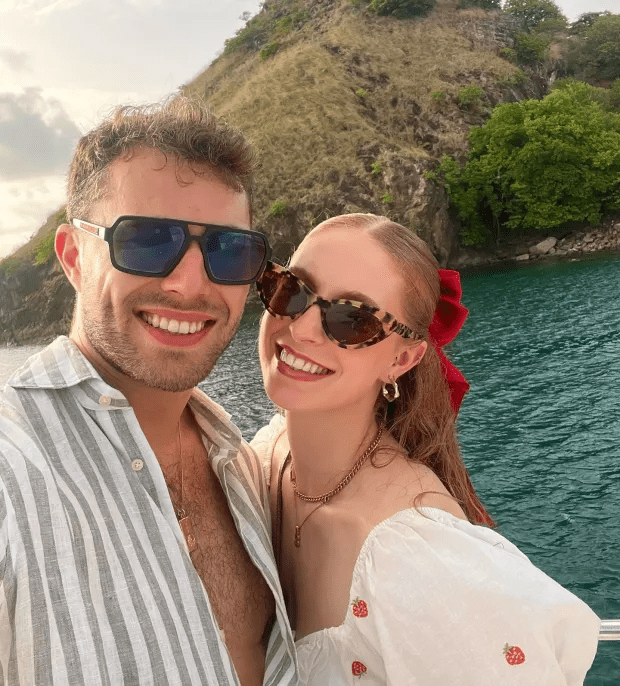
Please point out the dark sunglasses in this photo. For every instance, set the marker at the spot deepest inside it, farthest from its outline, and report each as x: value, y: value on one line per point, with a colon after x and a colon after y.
x: 154, y: 246
x: 348, y: 323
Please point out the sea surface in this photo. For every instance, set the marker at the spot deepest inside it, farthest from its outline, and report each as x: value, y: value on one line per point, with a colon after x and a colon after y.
x: 540, y: 428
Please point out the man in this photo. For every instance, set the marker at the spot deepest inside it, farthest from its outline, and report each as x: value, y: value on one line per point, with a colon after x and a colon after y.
x: 134, y: 545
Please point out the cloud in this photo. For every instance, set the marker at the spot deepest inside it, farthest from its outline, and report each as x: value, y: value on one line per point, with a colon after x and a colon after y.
x: 15, y: 60
x: 37, y: 137
x: 40, y: 7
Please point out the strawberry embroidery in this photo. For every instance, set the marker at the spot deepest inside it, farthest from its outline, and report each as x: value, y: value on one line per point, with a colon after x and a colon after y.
x: 514, y: 655
x: 360, y: 609
x: 358, y: 668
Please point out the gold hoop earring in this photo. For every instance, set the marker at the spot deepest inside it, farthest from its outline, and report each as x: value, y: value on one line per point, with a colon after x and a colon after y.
x: 390, y: 394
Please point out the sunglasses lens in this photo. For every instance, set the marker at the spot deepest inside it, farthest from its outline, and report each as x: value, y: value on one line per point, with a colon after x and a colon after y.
x: 282, y: 294
x: 350, y: 325
x: 148, y: 246
x: 152, y: 247
x: 234, y: 256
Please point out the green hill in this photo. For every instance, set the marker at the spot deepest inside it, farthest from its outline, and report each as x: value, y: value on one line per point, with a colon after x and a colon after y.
x: 347, y: 110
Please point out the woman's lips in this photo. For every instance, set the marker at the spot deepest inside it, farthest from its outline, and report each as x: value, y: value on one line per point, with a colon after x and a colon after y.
x: 298, y: 374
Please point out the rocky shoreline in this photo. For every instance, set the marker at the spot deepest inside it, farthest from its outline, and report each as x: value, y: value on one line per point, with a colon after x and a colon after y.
x: 584, y: 241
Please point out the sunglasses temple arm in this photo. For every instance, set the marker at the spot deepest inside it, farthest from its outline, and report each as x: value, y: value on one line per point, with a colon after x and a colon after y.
x: 89, y: 228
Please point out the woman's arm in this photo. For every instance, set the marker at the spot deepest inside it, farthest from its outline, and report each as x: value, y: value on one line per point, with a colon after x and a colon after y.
x: 447, y: 602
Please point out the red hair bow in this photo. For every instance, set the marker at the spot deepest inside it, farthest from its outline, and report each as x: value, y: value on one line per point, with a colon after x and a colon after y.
x: 449, y: 317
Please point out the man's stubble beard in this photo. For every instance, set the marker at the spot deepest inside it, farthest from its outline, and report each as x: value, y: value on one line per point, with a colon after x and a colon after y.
x: 167, y: 371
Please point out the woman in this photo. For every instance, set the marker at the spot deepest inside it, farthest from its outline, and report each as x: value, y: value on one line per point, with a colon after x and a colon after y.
x: 389, y: 574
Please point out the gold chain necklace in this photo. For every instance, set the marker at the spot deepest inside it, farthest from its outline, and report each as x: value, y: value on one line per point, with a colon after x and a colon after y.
x: 326, y: 497
x: 184, y: 521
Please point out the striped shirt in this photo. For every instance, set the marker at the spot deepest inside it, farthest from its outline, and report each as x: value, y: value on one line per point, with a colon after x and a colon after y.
x: 96, y: 583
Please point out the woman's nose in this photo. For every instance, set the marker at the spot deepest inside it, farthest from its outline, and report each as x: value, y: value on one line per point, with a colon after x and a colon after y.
x: 308, y: 327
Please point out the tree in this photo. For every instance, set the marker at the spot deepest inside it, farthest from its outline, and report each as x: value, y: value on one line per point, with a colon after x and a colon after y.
x: 534, y: 12
x: 538, y: 164
x: 601, y: 47
x: 531, y: 48
x: 584, y: 22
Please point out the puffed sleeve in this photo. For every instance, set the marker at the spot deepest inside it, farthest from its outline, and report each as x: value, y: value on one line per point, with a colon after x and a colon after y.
x: 438, y: 601
x: 4, y: 542
x: 264, y: 442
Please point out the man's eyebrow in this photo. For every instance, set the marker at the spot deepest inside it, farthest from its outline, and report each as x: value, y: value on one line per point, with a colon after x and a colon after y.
x: 302, y: 274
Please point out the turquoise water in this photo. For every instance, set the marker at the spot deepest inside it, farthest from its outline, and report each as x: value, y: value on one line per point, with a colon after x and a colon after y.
x: 540, y: 427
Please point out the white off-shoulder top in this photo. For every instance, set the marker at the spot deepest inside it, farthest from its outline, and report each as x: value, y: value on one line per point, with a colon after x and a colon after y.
x: 437, y: 601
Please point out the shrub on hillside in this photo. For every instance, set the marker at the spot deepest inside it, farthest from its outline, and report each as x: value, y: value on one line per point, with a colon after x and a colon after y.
x: 596, y: 52
x: 470, y: 96
x: 533, y: 13
x: 538, y: 164
x: 45, y: 249
x: 541, y: 22
x: 276, y: 18
x: 402, y: 9
x: 269, y: 50
x: 480, y: 4
x: 515, y: 79
x: 9, y: 266
x: 278, y: 208
x: 251, y: 37
x: 531, y: 48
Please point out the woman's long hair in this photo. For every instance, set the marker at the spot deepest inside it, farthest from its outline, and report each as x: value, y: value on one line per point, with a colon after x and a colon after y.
x: 421, y: 419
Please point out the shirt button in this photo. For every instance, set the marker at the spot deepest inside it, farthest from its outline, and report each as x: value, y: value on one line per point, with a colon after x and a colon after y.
x: 137, y: 464
x: 105, y: 400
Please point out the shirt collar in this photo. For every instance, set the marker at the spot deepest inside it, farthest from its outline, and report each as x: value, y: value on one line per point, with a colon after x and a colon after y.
x: 62, y: 365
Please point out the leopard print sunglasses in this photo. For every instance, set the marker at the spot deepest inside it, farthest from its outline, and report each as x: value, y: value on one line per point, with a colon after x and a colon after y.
x: 348, y: 323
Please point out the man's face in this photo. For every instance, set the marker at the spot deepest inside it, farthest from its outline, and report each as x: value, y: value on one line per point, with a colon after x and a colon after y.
x: 125, y: 323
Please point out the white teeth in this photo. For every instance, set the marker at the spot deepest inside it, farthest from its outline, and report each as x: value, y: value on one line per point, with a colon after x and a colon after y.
x: 302, y: 365
x: 173, y: 325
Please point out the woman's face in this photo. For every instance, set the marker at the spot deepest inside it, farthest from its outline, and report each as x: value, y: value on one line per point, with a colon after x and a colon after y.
x: 335, y: 262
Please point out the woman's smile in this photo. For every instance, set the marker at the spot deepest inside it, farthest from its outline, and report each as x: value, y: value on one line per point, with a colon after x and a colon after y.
x: 296, y: 366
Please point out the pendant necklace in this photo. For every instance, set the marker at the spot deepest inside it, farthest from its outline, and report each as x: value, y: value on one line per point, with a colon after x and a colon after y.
x: 321, y: 499
x: 182, y: 517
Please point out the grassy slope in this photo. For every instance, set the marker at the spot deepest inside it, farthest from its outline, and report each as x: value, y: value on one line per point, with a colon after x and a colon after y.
x: 38, y: 249
x: 346, y: 90
x: 343, y: 92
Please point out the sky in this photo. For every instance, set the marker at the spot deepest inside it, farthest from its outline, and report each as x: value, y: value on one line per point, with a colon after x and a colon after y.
x: 65, y: 63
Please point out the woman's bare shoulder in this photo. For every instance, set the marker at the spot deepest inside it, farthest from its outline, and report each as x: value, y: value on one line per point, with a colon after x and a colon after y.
x: 408, y: 483
x: 268, y: 443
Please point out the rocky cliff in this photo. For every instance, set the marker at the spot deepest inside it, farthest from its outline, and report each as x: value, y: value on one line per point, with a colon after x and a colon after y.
x: 347, y: 111
x: 36, y: 302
